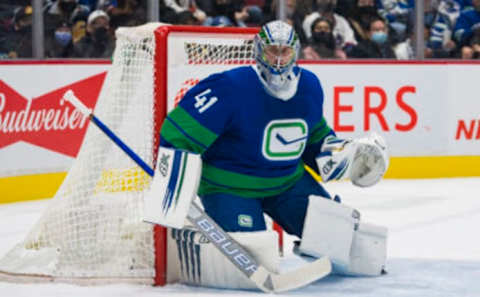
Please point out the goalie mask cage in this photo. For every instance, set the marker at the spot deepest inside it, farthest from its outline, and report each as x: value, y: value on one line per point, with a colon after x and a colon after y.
x: 92, y: 231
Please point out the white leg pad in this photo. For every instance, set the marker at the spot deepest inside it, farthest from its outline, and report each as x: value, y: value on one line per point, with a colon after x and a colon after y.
x: 192, y: 259
x: 328, y: 230
x: 334, y: 230
x: 369, y: 250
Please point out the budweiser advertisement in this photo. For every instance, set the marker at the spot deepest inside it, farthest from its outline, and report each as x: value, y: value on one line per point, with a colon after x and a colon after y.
x: 39, y: 131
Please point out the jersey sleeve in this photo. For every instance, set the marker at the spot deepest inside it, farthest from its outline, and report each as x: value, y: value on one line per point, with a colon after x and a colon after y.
x: 201, y: 116
x: 319, y: 131
x: 318, y: 135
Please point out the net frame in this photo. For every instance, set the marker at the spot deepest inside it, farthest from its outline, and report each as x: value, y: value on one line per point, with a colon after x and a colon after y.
x: 164, y: 100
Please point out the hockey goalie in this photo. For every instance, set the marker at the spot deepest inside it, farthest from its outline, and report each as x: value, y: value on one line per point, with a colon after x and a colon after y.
x: 255, y: 128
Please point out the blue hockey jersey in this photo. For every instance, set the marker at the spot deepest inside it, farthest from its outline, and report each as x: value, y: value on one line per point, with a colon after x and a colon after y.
x: 444, y: 21
x: 463, y: 27
x: 252, y: 144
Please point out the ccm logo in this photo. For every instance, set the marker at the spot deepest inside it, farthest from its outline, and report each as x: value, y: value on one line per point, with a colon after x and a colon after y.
x: 370, y: 111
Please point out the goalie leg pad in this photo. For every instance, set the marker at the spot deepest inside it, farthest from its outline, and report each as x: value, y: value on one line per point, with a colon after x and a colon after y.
x: 194, y: 260
x: 369, y: 250
x: 328, y: 230
x: 334, y: 230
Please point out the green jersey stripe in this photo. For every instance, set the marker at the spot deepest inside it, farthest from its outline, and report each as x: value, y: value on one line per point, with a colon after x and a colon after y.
x: 207, y: 187
x: 177, y: 138
x: 319, y: 132
x: 191, y: 127
x: 228, y: 179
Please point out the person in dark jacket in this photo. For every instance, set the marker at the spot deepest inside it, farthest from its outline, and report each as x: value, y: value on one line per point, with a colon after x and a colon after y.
x: 59, y: 44
x: 377, y: 46
x: 98, y: 42
x: 360, y: 16
x: 227, y: 13
x: 16, y: 41
x: 467, y: 28
x: 322, y: 42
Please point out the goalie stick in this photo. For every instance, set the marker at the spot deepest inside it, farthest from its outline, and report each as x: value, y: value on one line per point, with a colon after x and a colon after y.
x: 264, y: 279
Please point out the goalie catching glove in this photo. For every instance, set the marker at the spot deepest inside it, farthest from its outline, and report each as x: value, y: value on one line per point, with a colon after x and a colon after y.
x: 364, y: 161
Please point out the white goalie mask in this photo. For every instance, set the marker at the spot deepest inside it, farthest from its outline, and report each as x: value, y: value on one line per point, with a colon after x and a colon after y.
x: 276, y: 52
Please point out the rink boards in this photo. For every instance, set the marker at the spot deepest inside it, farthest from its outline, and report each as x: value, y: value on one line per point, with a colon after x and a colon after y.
x: 429, y: 113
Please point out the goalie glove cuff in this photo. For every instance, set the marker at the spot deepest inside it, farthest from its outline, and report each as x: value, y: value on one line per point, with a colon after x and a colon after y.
x: 364, y: 161
x: 335, y: 158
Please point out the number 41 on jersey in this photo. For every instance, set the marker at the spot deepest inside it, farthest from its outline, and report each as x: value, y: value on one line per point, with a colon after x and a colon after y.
x: 203, y: 101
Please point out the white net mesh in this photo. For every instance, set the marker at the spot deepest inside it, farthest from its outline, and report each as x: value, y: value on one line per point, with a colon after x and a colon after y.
x: 203, y: 55
x: 93, y: 229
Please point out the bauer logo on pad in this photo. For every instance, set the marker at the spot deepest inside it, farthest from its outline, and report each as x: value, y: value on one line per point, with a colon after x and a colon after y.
x: 173, y: 187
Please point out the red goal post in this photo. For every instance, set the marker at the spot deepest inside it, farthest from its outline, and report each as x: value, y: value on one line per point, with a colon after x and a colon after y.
x: 92, y: 231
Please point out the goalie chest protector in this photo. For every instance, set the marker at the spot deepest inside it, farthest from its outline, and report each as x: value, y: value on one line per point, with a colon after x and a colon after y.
x: 249, y: 131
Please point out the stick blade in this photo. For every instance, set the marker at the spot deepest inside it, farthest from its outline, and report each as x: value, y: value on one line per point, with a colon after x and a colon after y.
x: 302, y: 276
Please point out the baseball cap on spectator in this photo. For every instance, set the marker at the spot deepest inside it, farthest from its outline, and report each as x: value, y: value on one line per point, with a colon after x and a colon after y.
x: 96, y: 14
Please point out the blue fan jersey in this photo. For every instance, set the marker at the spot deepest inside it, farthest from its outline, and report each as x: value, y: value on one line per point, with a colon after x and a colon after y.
x: 464, y: 26
x: 252, y: 144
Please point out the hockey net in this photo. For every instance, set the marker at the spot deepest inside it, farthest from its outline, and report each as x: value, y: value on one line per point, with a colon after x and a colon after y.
x: 92, y: 231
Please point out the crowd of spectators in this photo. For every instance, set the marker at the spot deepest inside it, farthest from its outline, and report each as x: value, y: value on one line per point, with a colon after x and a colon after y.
x: 328, y: 29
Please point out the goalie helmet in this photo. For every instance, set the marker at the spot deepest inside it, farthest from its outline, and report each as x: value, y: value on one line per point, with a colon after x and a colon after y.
x: 276, y: 52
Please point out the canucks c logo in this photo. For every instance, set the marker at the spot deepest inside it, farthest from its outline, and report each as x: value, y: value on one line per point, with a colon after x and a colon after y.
x: 284, y: 139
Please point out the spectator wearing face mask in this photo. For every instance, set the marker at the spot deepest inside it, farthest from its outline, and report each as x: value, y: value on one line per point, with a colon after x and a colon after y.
x: 377, y: 46
x: 359, y: 17
x: 397, y: 13
x: 60, y: 43
x: 342, y: 31
x: 98, y: 42
x: 17, y: 42
x: 322, y: 44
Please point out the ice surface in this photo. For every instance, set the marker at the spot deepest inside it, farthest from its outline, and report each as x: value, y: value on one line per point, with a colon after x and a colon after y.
x: 433, y: 247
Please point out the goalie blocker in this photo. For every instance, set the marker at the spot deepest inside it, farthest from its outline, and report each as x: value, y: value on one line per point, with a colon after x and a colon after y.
x: 175, y: 183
